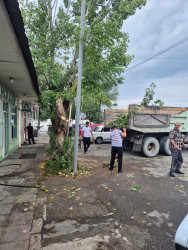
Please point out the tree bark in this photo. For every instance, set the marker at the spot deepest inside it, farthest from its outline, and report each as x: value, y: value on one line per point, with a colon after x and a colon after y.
x: 70, y: 111
x: 59, y: 123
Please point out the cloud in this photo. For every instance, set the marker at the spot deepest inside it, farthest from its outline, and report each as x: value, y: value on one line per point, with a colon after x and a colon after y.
x: 153, y: 28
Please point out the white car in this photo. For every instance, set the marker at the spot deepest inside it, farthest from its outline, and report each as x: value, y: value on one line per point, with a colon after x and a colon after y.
x: 101, y: 134
x: 181, y: 237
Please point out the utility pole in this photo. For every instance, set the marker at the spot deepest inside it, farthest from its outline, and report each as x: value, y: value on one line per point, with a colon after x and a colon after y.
x: 82, y: 24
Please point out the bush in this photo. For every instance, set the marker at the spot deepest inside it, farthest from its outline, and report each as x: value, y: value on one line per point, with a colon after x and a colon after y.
x: 61, y: 158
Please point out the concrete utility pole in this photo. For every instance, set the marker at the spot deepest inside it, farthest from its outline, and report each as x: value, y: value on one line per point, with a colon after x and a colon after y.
x: 82, y: 24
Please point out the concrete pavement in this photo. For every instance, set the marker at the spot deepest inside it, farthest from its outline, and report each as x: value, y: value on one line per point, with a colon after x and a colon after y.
x: 138, y: 209
x: 20, y: 229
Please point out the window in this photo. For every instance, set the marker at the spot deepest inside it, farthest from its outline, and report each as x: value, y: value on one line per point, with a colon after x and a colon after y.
x: 13, y: 123
x: 106, y: 129
x: 96, y: 129
x: 5, y: 106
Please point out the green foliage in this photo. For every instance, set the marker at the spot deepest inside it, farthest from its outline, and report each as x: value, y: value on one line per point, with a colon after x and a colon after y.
x: 92, y: 103
x: 123, y: 119
x: 148, y: 97
x: 49, y: 30
x: 158, y: 103
x: 53, y: 30
x: 61, y: 158
x: 135, y: 189
x: 53, y: 34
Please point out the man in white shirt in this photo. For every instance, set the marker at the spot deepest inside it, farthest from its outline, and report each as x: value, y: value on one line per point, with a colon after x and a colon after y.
x: 116, y: 138
x: 86, y: 133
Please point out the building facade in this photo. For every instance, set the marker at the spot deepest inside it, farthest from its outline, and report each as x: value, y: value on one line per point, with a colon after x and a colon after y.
x: 18, y: 81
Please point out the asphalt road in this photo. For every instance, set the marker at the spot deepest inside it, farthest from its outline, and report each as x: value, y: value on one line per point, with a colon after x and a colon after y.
x: 138, y: 209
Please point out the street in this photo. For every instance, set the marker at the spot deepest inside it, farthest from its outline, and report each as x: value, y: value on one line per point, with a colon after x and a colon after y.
x: 140, y: 208
x: 76, y: 71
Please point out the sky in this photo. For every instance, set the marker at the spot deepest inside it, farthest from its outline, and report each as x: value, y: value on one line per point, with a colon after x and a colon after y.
x: 158, y: 25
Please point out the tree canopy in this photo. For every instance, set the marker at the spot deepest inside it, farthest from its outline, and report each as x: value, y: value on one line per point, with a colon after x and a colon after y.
x: 53, y: 27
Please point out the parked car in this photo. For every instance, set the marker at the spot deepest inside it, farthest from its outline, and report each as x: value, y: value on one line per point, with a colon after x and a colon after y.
x: 80, y: 128
x: 101, y: 134
x: 92, y: 126
x: 181, y: 237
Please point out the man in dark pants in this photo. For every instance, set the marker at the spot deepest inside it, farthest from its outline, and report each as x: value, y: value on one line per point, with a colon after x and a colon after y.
x: 176, y: 144
x: 30, y: 131
x: 116, y: 138
x: 86, y: 133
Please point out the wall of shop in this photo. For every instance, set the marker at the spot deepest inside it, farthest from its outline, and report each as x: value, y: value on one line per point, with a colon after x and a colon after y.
x: 13, y: 121
x: 9, y: 117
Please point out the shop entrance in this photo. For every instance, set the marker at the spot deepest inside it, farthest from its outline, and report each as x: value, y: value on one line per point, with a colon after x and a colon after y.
x: 4, y: 133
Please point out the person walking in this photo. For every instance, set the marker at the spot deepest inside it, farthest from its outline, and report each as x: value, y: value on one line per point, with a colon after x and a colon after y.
x: 116, y: 141
x: 176, y: 144
x: 86, y: 133
x: 30, y: 131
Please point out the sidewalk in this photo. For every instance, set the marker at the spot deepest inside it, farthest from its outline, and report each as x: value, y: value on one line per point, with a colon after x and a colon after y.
x: 19, y: 227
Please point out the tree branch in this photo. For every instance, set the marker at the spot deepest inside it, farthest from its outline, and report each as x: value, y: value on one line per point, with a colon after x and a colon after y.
x: 68, y: 7
x: 56, y: 1
x: 74, y: 62
x: 87, y: 11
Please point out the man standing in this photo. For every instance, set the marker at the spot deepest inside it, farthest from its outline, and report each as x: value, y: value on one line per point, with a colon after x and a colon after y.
x: 30, y: 131
x: 176, y: 144
x: 116, y: 138
x: 86, y: 133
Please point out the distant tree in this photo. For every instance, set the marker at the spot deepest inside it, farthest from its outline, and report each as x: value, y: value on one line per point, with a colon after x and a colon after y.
x: 123, y: 119
x: 149, y: 95
x: 94, y: 103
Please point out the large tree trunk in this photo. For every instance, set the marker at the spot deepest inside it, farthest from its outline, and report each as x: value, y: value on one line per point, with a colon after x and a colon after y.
x: 59, y: 123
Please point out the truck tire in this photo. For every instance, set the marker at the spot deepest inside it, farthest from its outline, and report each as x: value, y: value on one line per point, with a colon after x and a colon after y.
x: 150, y: 147
x: 164, y: 145
x: 99, y: 140
x: 160, y: 144
x: 127, y: 145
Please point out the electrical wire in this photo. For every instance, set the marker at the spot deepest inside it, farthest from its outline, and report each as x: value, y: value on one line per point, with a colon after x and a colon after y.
x: 171, y: 58
x: 159, y: 53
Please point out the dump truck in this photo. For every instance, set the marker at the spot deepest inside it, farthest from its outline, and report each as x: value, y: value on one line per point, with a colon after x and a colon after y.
x: 148, y: 129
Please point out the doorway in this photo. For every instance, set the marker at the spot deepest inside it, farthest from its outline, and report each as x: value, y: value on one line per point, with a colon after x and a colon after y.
x: 4, y: 133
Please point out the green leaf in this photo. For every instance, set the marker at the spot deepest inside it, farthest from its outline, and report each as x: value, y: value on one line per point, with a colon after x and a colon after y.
x: 135, y: 189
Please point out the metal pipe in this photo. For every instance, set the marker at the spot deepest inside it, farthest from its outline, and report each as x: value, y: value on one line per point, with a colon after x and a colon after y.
x: 82, y: 24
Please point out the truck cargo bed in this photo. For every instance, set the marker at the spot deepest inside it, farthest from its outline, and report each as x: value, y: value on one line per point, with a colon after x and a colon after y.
x: 150, y: 119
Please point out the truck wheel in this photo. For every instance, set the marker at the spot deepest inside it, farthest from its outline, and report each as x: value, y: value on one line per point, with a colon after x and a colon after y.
x: 165, y: 141
x: 150, y: 147
x: 99, y: 140
x: 127, y: 145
